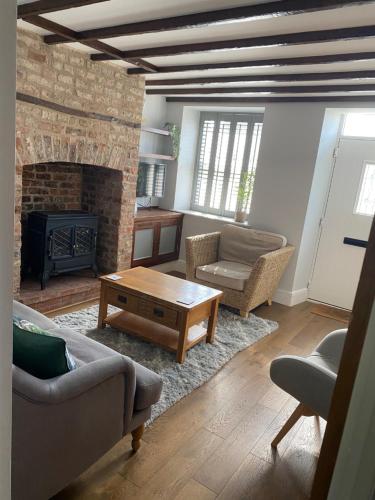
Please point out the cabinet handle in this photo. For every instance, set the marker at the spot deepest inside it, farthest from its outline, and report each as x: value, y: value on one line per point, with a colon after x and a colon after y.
x: 123, y: 299
x: 158, y: 312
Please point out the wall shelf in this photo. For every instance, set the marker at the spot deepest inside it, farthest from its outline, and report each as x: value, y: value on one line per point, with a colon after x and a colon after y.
x: 153, y: 130
x: 156, y: 156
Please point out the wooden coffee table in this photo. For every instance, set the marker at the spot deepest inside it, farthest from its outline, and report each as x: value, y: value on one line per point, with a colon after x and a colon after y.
x: 159, y: 308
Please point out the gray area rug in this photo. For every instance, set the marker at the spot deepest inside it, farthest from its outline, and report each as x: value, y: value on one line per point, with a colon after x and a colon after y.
x: 233, y: 334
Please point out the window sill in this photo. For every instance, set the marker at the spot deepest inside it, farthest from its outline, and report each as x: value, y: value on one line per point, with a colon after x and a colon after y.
x: 212, y: 217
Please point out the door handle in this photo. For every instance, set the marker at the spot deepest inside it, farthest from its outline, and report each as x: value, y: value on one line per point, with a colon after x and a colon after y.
x: 355, y: 242
x: 158, y: 312
x: 123, y: 299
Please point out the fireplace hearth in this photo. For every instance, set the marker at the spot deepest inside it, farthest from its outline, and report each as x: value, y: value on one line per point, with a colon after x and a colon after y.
x: 60, y: 242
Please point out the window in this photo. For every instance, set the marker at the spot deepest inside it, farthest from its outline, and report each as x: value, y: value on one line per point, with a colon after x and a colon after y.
x: 365, y: 203
x: 359, y: 125
x: 228, y: 149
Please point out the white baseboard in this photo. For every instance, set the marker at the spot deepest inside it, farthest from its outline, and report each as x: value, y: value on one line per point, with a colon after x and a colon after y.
x: 288, y: 298
x: 284, y: 297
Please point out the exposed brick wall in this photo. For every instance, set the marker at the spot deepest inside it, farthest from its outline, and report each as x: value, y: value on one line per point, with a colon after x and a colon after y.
x: 51, y: 187
x: 101, y: 195
x: 67, y: 77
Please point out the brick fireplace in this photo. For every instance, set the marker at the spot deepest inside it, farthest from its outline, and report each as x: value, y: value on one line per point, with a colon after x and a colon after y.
x: 78, y: 128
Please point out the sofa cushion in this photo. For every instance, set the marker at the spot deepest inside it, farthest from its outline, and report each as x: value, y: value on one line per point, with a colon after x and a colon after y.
x: 41, y: 355
x: 244, y: 245
x: 28, y: 326
x: 224, y: 273
x: 148, y: 387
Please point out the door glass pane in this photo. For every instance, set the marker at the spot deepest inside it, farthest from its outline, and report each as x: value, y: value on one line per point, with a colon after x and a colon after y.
x: 359, y: 125
x: 84, y: 240
x: 167, y: 239
x: 220, y: 162
x: 143, y: 243
x: 365, y: 204
x: 62, y: 242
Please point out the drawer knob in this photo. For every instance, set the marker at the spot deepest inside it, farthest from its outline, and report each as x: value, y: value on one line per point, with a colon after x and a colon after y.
x: 123, y: 299
x: 158, y: 312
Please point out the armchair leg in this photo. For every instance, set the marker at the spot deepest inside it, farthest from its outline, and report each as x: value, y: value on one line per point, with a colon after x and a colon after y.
x: 244, y: 314
x: 269, y: 302
x: 137, y: 435
x: 300, y: 411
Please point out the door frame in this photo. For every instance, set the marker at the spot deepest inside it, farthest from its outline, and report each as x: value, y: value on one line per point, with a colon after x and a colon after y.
x: 322, y: 218
x: 325, y: 205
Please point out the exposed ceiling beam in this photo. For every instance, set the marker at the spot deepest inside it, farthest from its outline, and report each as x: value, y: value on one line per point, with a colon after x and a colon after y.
x: 291, y: 77
x: 70, y: 35
x: 45, y: 6
x: 264, y: 10
x: 257, y: 100
x: 290, y: 61
x: 299, y: 38
x: 285, y: 89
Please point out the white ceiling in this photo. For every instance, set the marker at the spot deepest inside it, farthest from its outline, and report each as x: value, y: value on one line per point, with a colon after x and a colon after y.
x: 115, y: 12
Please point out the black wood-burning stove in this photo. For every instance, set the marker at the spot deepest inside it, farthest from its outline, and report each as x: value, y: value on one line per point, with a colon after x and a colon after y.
x: 60, y: 242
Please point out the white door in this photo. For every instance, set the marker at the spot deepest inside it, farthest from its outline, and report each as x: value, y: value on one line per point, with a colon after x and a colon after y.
x: 346, y: 224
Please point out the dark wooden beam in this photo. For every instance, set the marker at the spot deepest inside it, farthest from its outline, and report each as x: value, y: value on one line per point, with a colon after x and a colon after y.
x: 70, y: 35
x: 45, y: 6
x: 261, y: 100
x: 285, y: 61
x: 291, y: 77
x: 299, y: 38
x: 37, y: 101
x: 285, y: 89
x: 264, y: 10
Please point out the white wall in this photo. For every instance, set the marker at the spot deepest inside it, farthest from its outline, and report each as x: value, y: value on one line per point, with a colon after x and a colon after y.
x: 154, y: 115
x: 7, y: 148
x: 294, y: 170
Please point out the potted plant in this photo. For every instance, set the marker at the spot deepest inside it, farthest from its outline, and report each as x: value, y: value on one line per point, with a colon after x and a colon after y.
x: 245, y: 190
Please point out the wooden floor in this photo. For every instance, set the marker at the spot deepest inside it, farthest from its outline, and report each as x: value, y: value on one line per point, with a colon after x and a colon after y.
x: 215, y: 443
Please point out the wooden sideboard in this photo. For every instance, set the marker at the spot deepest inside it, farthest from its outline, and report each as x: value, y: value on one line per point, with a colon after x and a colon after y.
x: 156, y: 236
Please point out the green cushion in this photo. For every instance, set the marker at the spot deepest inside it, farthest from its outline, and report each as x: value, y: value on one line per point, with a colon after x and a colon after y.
x: 38, y: 354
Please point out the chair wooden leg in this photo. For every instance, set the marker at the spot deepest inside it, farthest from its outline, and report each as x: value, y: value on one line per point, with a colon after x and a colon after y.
x: 244, y: 314
x: 300, y: 411
x: 269, y: 302
x: 137, y: 435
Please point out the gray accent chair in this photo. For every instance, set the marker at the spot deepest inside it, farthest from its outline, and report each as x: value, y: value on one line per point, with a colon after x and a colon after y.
x: 63, y: 425
x: 311, y: 379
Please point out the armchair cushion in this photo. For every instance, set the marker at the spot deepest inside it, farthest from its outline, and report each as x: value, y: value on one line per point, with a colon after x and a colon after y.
x: 243, y: 245
x: 225, y: 273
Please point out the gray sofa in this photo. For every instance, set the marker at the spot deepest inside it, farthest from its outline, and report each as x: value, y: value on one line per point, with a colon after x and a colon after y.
x: 63, y: 425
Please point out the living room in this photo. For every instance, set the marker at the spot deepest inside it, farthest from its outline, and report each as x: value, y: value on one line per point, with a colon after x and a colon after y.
x: 191, y: 196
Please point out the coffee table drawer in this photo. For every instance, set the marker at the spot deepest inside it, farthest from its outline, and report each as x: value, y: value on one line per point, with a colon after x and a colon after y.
x: 123, y: 300
x: 158, y: 313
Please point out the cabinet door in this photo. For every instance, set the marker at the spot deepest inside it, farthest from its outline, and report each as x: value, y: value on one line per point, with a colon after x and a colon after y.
x: 143, y: 243
x: 168, y: 238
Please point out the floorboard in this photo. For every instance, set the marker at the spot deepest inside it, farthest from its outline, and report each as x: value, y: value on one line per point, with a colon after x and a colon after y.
x: 215, y: 443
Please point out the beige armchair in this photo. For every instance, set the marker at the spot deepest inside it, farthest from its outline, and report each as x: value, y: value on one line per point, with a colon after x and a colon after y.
x: 246, y: 264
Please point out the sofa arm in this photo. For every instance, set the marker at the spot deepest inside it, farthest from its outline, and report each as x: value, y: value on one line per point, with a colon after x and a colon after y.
x: 201, y: 250
x: 266, y: 275
x: 74, y: 383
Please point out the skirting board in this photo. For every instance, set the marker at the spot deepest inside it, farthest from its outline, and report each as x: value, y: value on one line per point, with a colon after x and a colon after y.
x: 284, y: 297
x: 288, y: 298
